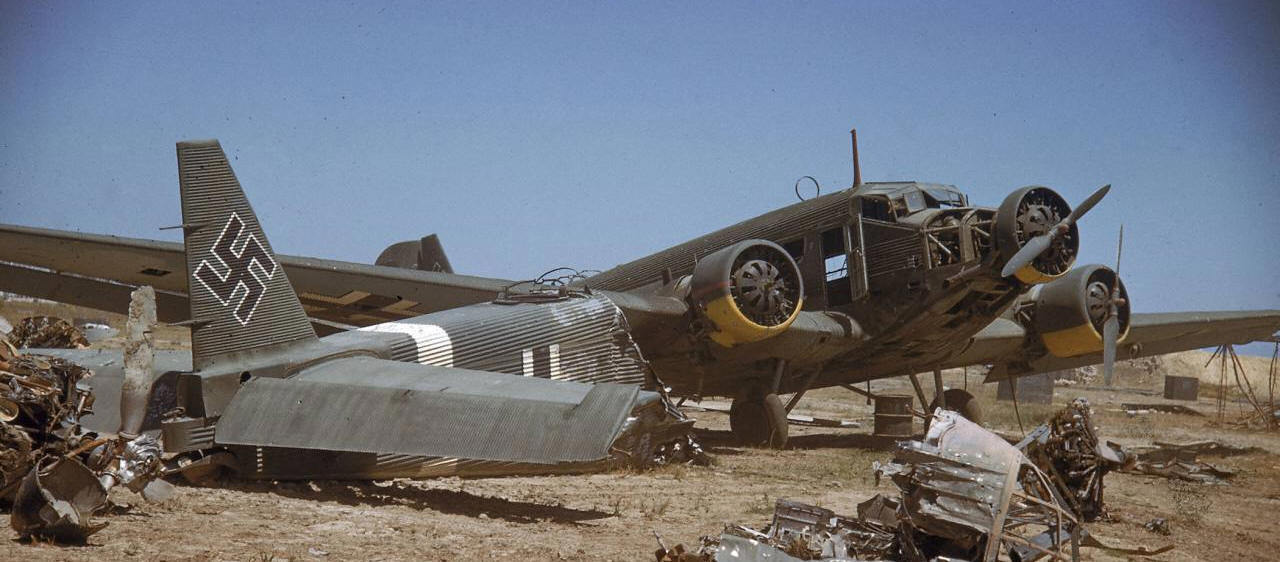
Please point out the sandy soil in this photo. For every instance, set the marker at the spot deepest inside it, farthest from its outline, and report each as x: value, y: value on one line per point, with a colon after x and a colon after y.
x: 614, y: 516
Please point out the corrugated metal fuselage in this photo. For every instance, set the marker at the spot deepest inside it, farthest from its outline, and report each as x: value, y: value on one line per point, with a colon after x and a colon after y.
x: 868, y: 262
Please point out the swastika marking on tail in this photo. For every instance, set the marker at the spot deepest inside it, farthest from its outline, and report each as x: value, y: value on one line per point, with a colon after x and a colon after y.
x: 240, y: 271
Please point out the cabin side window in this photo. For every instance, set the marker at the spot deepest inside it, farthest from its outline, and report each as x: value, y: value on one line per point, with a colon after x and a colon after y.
x: 835, y: 258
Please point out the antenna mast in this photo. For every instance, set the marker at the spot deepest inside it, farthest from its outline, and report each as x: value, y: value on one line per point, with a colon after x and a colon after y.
x: 857, y: 170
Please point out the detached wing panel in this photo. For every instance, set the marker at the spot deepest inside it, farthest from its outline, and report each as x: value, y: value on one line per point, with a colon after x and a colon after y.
x: 386, y: 407
x: 94, y: 270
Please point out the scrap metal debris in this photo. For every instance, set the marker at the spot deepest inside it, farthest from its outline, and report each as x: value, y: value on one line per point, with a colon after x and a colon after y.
x: 47, y: 332
x: 1159, y: 526
x: 1067, y: 449
x: 1141, y: 409
x: 964, y: 494
x: 1183, y: 462
x: 54, y: 475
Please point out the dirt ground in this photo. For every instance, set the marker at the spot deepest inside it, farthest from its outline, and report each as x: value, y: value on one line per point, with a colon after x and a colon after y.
x: 614, y: 516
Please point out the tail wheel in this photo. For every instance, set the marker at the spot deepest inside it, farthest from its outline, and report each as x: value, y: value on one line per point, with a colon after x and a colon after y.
x: 759, y: 421
x: 960, y: 402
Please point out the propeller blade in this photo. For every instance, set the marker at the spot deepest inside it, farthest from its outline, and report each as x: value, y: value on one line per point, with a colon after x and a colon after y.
x: 1086, y: 205
x: 1027, y: 254
x: 1119, y: 248
x: 1039, y: 244
x: 1110, y: 333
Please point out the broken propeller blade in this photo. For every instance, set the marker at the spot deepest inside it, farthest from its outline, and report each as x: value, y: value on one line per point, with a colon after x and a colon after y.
x: 1036, y: 246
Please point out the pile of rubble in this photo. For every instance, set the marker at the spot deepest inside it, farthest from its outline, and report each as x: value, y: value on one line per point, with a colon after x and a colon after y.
x: 47, y: 332
x: 54, y: 475
x: 964, y: 494
x: 1067, y: 449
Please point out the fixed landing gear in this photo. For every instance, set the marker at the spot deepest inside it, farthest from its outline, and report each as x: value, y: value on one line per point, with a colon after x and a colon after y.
x: 759, y: 419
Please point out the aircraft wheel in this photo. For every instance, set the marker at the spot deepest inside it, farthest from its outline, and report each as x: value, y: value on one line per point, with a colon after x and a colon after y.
x: 961, y: 402
x: 759, y: 422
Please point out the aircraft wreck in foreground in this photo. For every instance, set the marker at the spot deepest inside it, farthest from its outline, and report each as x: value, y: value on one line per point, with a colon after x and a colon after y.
x: 879, y: 280
x: 262, y: 395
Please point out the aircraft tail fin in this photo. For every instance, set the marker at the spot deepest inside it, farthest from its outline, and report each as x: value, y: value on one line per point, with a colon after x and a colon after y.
x: 240, y: 297
x: 425, y: 254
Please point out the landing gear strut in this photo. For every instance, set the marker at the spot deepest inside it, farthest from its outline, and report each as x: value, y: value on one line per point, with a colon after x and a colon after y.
x: 759, y: 419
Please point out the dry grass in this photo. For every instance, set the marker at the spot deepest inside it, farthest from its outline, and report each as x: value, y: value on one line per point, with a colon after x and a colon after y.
x: 612, y: 516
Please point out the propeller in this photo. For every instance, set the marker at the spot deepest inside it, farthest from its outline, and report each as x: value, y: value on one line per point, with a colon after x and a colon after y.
x: 1036, y: 246
x: 1111, y: 327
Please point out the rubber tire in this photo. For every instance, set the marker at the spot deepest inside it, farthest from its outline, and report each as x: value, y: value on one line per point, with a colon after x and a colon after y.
x: 961, y: 402
x: 759, y: 423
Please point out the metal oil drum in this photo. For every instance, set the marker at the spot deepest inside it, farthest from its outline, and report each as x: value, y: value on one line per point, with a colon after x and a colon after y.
x: 1181, y: 388
x: 893, y: 416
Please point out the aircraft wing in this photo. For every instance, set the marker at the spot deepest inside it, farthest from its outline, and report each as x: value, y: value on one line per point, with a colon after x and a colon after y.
x: 99, y: 271
x: 1008, y: 347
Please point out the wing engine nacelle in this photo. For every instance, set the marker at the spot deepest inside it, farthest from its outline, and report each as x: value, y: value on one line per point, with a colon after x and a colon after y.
x: 1030, y: 212
x: 749, y: 291
x: 1070, y: 311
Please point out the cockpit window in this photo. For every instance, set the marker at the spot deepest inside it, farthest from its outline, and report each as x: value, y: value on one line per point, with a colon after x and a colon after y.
x: 946, y: 198
x: 914, y: 201
x: 877, y: 208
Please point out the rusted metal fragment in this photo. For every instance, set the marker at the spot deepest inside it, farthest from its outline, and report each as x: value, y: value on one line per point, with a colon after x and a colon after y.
x: 56, y: 500
x: 55, y: 474
x: 1183, y: 461
x: 41, y: 401
x: 47, y: 332
x: 1137, y: 409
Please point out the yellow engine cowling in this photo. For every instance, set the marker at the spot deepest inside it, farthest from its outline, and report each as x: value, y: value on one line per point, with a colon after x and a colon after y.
x: 1070, y: 310
x: 749, y: 291
x: 1030, y: 212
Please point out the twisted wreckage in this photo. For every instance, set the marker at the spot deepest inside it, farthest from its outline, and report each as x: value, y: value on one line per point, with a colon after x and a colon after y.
x: 54, y: 474
x: 60, y: 454
x: 964, y: 494
x: 261, y: 396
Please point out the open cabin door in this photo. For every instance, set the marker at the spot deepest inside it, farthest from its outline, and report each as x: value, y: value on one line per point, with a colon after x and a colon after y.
x: 857, y: 254
x: 844, y: 261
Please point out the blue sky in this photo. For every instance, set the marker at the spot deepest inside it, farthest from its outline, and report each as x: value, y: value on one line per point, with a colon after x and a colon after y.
x: 531, y: 136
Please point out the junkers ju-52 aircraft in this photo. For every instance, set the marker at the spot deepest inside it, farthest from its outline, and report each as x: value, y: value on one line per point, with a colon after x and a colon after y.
x: 878, y: 280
